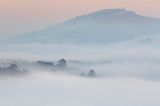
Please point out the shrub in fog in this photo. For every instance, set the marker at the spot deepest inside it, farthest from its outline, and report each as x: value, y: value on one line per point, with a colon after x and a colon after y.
x: 92, y: 73
x: 62, y: 63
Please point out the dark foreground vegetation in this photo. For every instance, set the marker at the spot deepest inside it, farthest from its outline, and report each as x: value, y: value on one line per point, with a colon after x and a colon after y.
x: 15, y: 68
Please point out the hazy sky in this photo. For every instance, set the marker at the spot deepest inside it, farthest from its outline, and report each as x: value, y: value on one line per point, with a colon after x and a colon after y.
x: 21, y: 16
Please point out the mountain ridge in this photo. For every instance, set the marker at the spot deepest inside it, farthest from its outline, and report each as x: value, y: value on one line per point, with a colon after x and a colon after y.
x: 107, y: 25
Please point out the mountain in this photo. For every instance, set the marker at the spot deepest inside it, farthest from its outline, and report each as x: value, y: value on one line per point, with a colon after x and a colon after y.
x: 108, y: 25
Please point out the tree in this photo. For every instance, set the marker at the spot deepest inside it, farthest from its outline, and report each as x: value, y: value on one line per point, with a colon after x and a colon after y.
x: 62, y: 63
x: 91, y: 73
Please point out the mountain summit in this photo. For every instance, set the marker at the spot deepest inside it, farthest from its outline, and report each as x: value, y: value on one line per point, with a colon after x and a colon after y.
x: 115, y: 15
x: 104, y: 26
x: 110, y: 13
x: 114, y: 12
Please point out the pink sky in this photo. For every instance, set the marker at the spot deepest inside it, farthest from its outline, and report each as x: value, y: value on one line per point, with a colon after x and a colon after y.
x: 20, y: 16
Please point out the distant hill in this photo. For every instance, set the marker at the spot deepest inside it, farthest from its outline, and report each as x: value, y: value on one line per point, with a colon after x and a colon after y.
x: 108, y: 25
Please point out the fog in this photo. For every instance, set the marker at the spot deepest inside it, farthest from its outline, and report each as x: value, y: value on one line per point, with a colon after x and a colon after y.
x: 138, y: 58
x: 54, y: 89
x: 127, y: 74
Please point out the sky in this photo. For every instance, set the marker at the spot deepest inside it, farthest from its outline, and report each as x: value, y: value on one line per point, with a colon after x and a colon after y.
x: 22, y: 16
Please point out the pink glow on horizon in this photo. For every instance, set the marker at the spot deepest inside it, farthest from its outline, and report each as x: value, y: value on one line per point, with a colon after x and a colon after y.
x: 36, y: 14
x: 62, y: 9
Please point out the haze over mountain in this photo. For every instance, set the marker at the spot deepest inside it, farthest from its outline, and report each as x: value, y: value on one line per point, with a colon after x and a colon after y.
x: 104, y: 26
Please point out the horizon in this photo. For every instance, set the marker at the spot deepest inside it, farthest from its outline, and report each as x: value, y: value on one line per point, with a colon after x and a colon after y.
x: 64, y: 20
x: 22, y: 16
